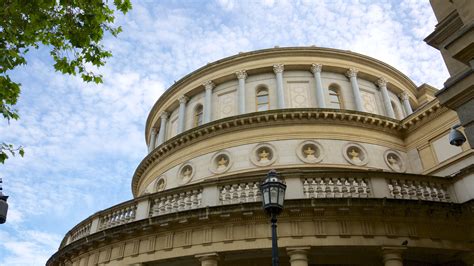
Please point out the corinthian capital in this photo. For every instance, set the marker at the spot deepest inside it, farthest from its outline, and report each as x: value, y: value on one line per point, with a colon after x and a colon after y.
x: 241, y: 74
x: 183, y: 99
x: 352, y: 72
x: 278, y: 68
x: 208, y: 85
x: 164, y: 115
x: 403, y: 96
x: 381, y: 82
x: 154, y: 130
x: 316, y: 68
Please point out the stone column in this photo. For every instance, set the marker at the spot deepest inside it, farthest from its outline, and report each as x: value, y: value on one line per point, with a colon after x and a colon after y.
x: 278, y: 69
x: 209, y: 259
x: 352, y: 75
x: 182, y: 112
x: 406, y: 103
x: 298, y: 256
x: 316, y: 69
x: 241, y: 75
x: 382, y: 83
x: 207, y: 115
x: 151, y: 146
x: 392, y: 256
x: 162, y: 132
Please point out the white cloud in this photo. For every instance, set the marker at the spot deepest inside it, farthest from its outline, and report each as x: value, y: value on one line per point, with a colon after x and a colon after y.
x: 83, y: 141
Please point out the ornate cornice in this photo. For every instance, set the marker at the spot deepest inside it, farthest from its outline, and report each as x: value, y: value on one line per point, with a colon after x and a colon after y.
x: 265, y: 119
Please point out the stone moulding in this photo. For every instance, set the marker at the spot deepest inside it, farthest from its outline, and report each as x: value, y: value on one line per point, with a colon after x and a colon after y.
x: 344, y: 210
x: 265, y: 119
x: 296, y: 115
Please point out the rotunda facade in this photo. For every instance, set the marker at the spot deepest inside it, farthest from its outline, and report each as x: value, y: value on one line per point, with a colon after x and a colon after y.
x: 371, y: 178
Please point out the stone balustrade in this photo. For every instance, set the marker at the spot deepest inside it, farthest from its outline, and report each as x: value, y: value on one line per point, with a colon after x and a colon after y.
x: 176, y: 202
x: 336, y: 187
x: 240, y: 193
x: 418, y: 190
x: 117, y: 217
x: 81, y: 232
x: 305, y: 184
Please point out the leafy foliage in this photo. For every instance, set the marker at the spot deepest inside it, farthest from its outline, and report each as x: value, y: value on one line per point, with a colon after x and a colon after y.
x: 72, y: 28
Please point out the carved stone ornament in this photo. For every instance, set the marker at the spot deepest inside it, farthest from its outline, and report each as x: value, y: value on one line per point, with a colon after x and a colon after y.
x: 242, y: 74
x: 278, y: 68
x: 186, y: 173
x: 352, y: 72
x: 183, y: 99
x: 164, y: 115
x: 394, y: 161
x: 381, y: 82
x: 160, y: 184
x: 355, y: 154
x: 403, y: 96
x: 263, y: 154
x: 208, y: 85
x: 315, y: 68
x: 221, y: 162
x: 310, y: 151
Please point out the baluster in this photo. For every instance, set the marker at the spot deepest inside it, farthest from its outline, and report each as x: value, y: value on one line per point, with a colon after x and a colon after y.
x: 434, y: 192
x: 396, y: 189
x: 426, y: 191
x: 187, y: 201
x: 199, y: 198
x: 404, y: 190
x: 306, y: 188
x: 352, y: 187
x: 181, y: 203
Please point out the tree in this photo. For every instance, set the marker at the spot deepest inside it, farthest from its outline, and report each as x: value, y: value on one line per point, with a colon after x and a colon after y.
x: 73, y: 29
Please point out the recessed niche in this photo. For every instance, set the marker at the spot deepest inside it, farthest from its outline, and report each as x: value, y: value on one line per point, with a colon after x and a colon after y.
x: 186, y: 173
x: 310, y: 151
x: 394, y: 161
x: 160, y: 184
x: 220, y: 162
x: 355, y: 154
x: 263, y: 154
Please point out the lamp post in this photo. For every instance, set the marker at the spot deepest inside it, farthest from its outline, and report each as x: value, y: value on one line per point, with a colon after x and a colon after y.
x: 3, y: 205
x: 273, y: 194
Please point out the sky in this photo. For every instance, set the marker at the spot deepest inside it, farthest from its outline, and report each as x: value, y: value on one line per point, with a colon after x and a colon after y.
x: 83, y: 142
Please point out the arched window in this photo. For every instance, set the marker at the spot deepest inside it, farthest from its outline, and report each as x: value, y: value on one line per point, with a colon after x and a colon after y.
x: 198, y: 110
x: 262, y: 99
x: 334, y: 97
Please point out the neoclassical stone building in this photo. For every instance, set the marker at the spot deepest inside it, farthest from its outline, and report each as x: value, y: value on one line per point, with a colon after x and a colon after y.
x: 371, y: 177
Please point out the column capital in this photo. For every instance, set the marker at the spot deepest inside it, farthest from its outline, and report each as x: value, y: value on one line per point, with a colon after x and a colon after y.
x: 278, y: 68
x: 154, y: 130
x: 381, y: 82
x: 241, y: 74
x: 352, y: 72
x: 316, y: 68
x: 209, y: 85
x: 183, y: 99
x: 208, y: 258
x: 392, y: 253
x: 403, y: 96
x: 164, y: 115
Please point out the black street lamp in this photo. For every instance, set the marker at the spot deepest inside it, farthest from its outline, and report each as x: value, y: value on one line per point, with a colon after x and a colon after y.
x: 273, y: 194
x: 3, y: 205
